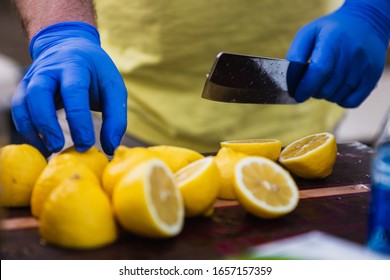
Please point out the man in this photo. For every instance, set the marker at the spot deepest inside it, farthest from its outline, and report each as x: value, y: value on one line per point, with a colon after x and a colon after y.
x: 163, y: 49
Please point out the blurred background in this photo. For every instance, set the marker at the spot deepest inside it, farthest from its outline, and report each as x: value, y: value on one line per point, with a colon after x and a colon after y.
x: 362, y: 124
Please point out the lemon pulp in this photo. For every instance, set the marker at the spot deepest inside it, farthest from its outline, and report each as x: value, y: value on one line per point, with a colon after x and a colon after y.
x: 264, y: 188
x: 311, y: 157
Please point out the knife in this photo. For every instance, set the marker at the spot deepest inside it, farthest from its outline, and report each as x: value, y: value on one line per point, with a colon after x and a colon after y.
x: 238, y: 78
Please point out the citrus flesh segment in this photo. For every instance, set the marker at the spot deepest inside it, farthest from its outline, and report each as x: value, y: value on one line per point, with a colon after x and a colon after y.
x: 269, y: 148
x: 199, y: 183
x: 20, y: 166
x: 147, y: 201
x: 78, y: 215
x: 264, y: 188
x: 311, y: 157
x: 175, y: 157
x: 164, y: 197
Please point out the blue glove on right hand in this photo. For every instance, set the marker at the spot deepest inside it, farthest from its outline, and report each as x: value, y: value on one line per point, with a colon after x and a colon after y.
x: 70, y: 70
x: 347, y: 52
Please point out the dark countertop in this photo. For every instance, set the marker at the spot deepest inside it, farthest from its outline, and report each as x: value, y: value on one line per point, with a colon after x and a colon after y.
x: 337, y: 205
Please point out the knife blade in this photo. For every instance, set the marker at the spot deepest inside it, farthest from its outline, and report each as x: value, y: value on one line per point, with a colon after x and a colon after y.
x: 238, y: 78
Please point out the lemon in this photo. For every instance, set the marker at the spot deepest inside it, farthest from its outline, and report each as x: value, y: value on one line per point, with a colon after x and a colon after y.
x: 92, y: 158
x: 264, y: 188
x: 198, y: 183
x: 20, y: 166
x: 147, y: 201
x: 78, y: 215
x: 123, y: 161
x: 226, y: 160
x: 175, y: 157
x: 311, y: 157
x: 58, y: 169
x: 269, y: 148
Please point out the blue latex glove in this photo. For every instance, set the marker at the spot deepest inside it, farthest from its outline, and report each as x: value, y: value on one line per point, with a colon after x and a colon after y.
x: 346, y: 50
x: 72, y: 71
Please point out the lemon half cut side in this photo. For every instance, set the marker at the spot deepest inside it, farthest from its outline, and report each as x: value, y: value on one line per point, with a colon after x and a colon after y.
x: 311, y: 157
x: 199, y: 183
x: 264, y: 188
x: 269, y: 148
x: 147, y: 201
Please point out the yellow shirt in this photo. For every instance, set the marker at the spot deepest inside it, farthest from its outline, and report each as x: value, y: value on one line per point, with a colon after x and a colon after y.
x: 164, y: 49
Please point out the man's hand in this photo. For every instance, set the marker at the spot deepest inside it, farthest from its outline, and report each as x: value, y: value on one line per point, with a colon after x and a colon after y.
x: 70, y: 69
x: 347, y: 51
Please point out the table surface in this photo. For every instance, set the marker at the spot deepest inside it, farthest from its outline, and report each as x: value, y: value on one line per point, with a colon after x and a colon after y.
x: 337, y: 205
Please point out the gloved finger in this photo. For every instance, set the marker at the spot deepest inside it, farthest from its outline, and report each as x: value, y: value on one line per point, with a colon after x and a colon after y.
x: 302, y: 46
x: 354, y: 72
x: 344, y: 91
x: 359, y: 93
x: 322, y: 64
x: 75, y: 84
x: 367, y: 74
x: 354, y: 98
x: 22, y: 120
x: 39, y: 98
x: 114, y: 110
x: 336, y: 79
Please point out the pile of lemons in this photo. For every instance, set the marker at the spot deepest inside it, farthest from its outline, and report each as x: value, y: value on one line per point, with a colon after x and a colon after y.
x: 80, y: 198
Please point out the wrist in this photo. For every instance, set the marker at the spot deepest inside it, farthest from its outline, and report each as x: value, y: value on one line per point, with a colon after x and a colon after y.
x: 58, y: 32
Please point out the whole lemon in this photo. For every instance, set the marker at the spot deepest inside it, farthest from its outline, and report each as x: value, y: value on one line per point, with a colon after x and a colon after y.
x: 92, y: 158
x: 20, y: 166
x: 58, y: 169
x: 78, y: 215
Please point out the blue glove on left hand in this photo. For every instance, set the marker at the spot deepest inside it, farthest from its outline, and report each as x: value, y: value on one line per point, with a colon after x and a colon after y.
x: 70, y: 70
x: 347, y: 52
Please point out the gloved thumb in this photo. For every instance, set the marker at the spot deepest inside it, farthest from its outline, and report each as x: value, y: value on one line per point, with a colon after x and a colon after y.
x: 301, y: 47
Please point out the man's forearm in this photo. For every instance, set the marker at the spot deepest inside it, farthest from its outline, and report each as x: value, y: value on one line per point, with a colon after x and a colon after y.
x: 37, y: 14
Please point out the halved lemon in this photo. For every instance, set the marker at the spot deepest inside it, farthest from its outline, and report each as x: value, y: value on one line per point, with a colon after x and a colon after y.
x: 147, y: 201
x: 58, y: 169
x: 269, y: 148
x: 78, y: 214
x: 198, y: 183
x: 264, y: 188
x: 311, y: 157
x: 226, y: 160
x: 175, y: 157
x: 124, y: 159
